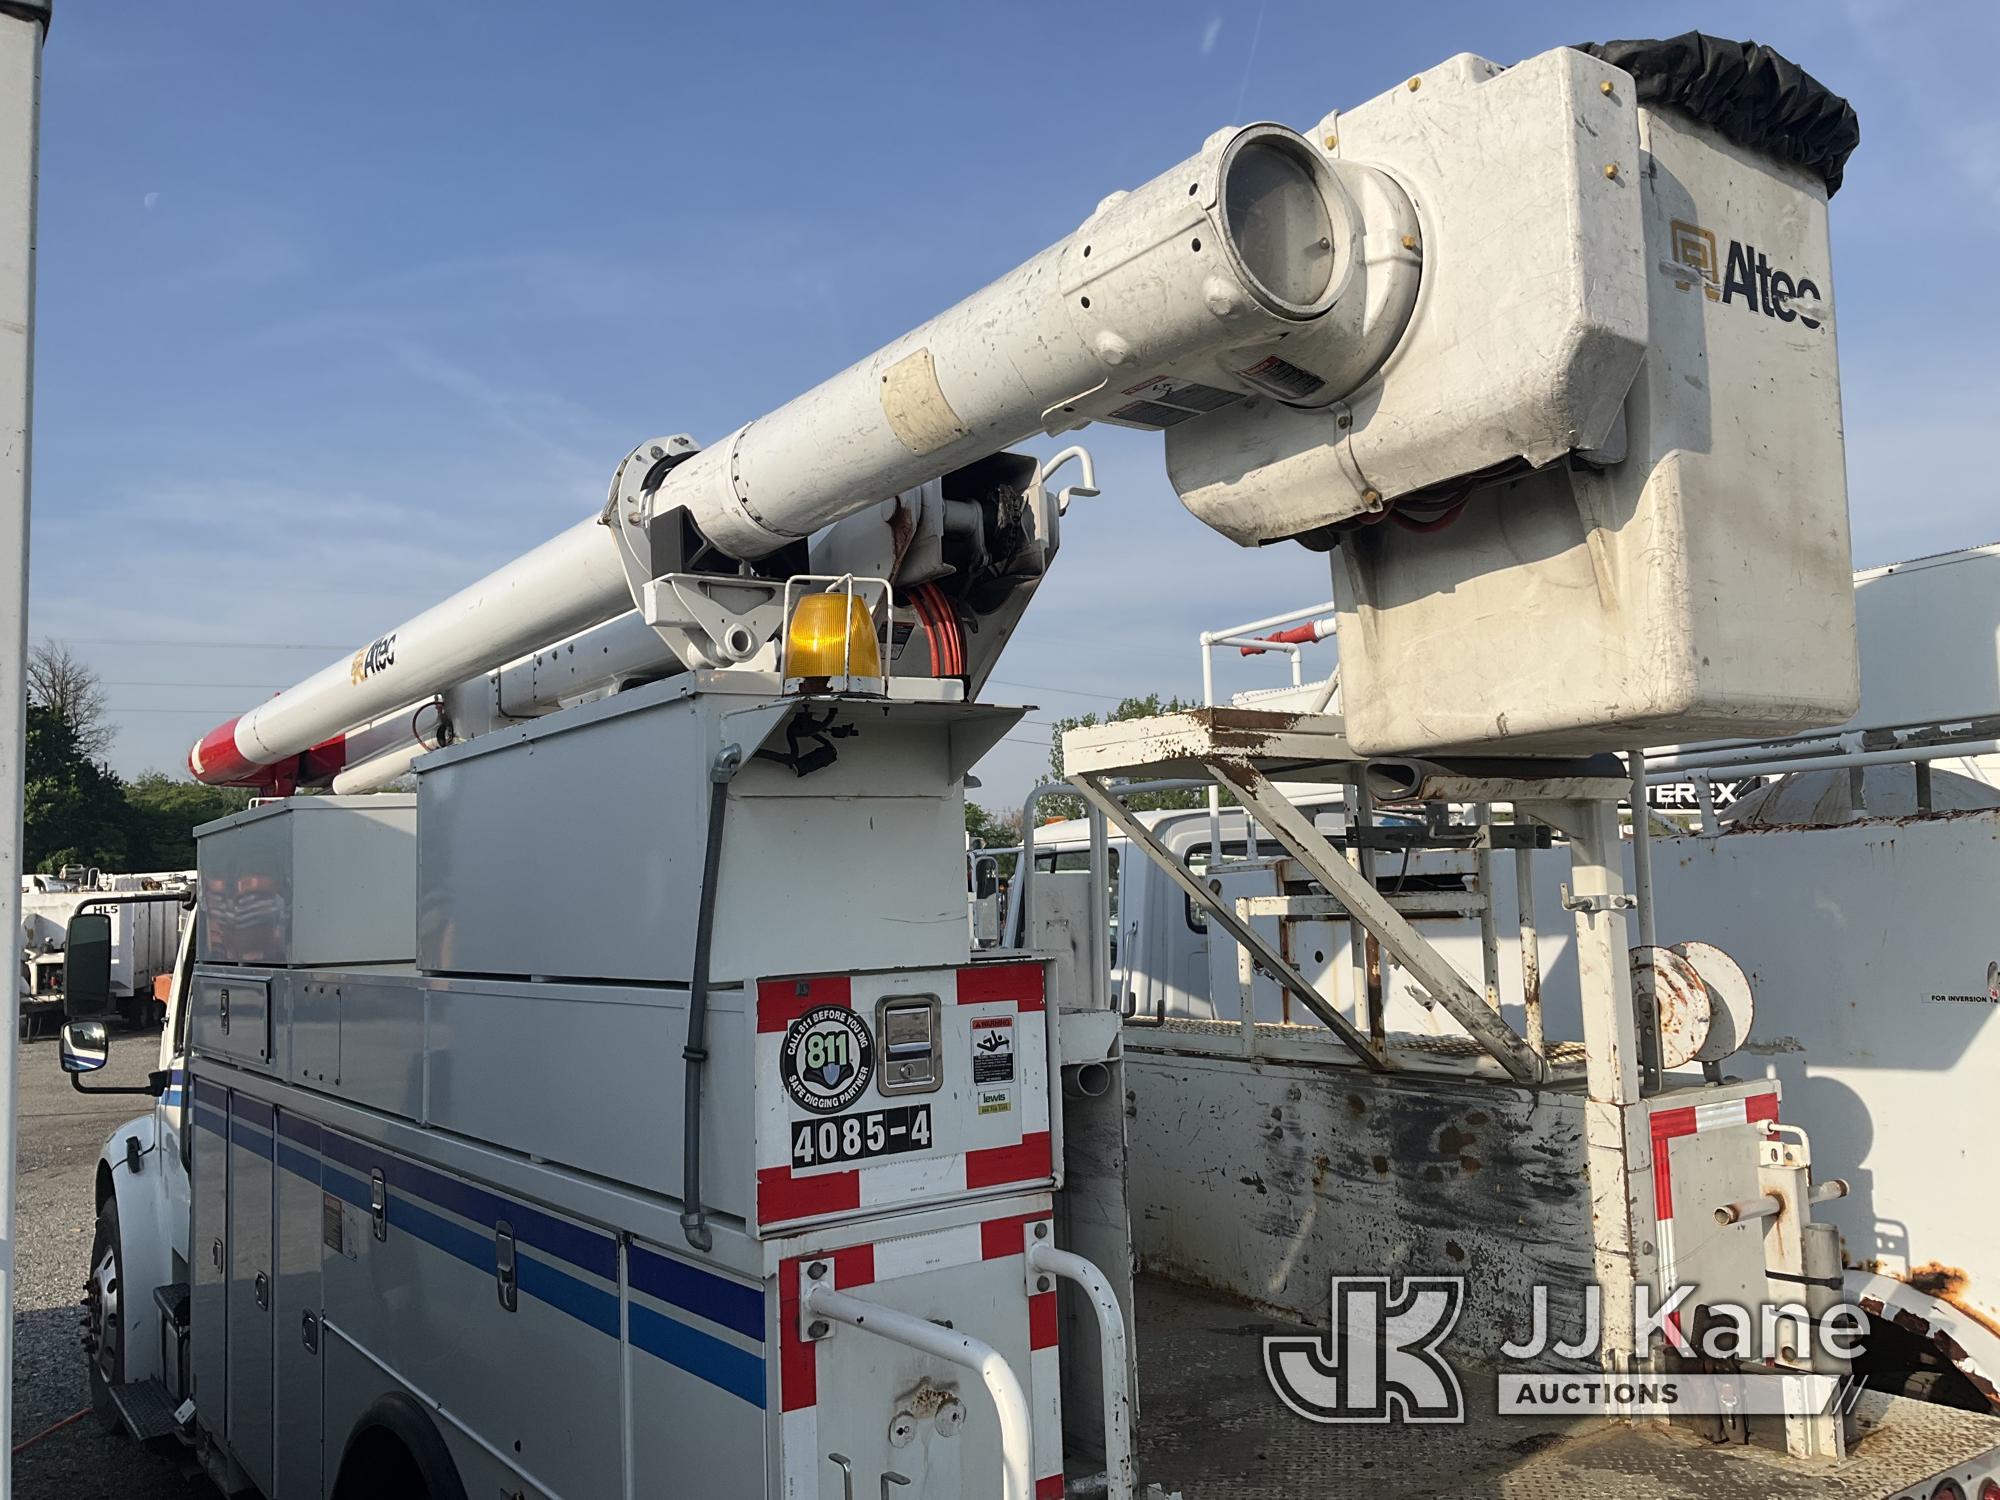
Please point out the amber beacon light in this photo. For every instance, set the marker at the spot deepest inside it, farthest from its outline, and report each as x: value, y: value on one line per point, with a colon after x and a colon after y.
x: 832, y: 635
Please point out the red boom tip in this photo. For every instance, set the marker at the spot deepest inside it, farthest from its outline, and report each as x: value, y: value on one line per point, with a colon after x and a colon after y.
x: 216, y: 760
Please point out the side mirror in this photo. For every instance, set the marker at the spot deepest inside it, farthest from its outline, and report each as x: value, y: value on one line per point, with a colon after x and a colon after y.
x: 85, y: 1046
x: 87, y: 966
x: 986, y: 879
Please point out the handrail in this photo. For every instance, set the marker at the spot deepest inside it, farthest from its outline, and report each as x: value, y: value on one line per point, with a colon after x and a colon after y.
x: 1239, y: 635
x: 1121, y: 1476
x: 961, y: 1349
x: 1024, y: 867
x: 1070, y: 492
x: 1786, y: 765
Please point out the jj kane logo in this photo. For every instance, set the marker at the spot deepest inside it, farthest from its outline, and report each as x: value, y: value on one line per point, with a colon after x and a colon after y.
x: 1380, y: 1363
x: 1743, y: 277
x: 1383, y: 1359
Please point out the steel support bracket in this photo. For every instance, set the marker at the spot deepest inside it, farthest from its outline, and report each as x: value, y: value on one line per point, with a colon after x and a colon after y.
x: 1294, y: 829
x: 818, y: 1272
x: 1515, y: 836
x: 1593, y: 905
x: 1035, y: 1279
x: 1094, y: 791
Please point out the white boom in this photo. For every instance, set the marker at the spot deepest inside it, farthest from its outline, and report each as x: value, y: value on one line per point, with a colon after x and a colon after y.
x: 622, y: 647
x: 570, y: 581
x: 1259, y: 304
x: 1256, y: 239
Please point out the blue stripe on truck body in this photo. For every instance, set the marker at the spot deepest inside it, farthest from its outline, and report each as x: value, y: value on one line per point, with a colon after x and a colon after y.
x: 429, y: 1204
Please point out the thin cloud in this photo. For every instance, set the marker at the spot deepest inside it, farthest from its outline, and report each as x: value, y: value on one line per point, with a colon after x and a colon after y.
x: 1965, y: 133
x: 531, y: 415
x: 1209, y: 34
x: 1250, y: 61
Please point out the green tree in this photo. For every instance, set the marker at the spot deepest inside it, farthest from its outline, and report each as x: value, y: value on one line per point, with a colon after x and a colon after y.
x: 988, y: 827
x: 166, y: 811
x: 74, y: 810
x: 1064, y: 806
x: 990, y: 830
x: 78, y: 812
x: 61, y: 682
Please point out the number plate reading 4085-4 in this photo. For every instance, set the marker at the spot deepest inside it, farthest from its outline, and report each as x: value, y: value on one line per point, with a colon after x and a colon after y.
x: 879, y: 1132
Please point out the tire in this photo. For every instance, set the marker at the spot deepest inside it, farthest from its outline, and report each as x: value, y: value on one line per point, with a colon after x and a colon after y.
x: 104, y: 1331
x: 396, y: 1450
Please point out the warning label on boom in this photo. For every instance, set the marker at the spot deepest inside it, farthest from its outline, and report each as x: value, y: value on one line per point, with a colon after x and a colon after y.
x: 1162, y: 401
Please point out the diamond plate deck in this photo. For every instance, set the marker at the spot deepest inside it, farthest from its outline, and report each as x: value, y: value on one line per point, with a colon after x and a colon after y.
x: 1212, y: 1427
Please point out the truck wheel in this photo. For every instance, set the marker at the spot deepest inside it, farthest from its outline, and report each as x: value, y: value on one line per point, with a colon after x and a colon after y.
x: 396, y: 1450
x: 104, y: 1325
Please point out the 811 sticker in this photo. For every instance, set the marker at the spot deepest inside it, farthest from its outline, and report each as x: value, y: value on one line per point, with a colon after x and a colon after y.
x: 828, y: 1059
x: 879, y: 1132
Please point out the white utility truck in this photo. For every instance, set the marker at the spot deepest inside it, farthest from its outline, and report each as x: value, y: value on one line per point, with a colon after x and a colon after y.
x: 138, y: 916
x: 726, y: 1167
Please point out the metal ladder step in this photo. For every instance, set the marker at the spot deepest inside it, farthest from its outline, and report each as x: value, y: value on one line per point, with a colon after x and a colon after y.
x: 172, y: 1301
x: 146, y: 1409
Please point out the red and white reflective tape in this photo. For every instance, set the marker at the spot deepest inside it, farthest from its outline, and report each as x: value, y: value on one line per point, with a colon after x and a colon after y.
x: 1669, y: 1125
x: 218, y: 760
x: 788, y: 1195
x: 1296, y: 635
x: 890, y: 1260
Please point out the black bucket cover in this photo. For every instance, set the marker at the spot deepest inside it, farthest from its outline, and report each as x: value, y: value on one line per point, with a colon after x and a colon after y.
x: 1748, y: 92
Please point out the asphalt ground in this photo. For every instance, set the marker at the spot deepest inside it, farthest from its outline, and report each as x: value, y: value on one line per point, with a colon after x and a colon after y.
x: 62, y: 1132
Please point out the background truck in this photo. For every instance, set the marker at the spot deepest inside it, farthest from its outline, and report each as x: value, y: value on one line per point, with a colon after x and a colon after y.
x: 142, y: 915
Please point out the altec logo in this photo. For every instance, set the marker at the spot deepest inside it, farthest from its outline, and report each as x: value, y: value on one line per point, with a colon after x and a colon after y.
x: 374, y: 657
x: 1746, y: 277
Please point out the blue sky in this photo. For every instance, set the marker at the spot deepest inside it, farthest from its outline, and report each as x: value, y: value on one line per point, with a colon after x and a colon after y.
x: 341, y: 306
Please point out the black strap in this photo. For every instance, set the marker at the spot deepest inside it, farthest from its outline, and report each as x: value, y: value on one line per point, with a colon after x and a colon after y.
x: 1832, y: 1282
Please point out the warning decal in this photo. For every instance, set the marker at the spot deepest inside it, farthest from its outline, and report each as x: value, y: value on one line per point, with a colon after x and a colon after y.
x: 993, y: 1050
x: 1283, y: 378
x: 1164, y: 400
